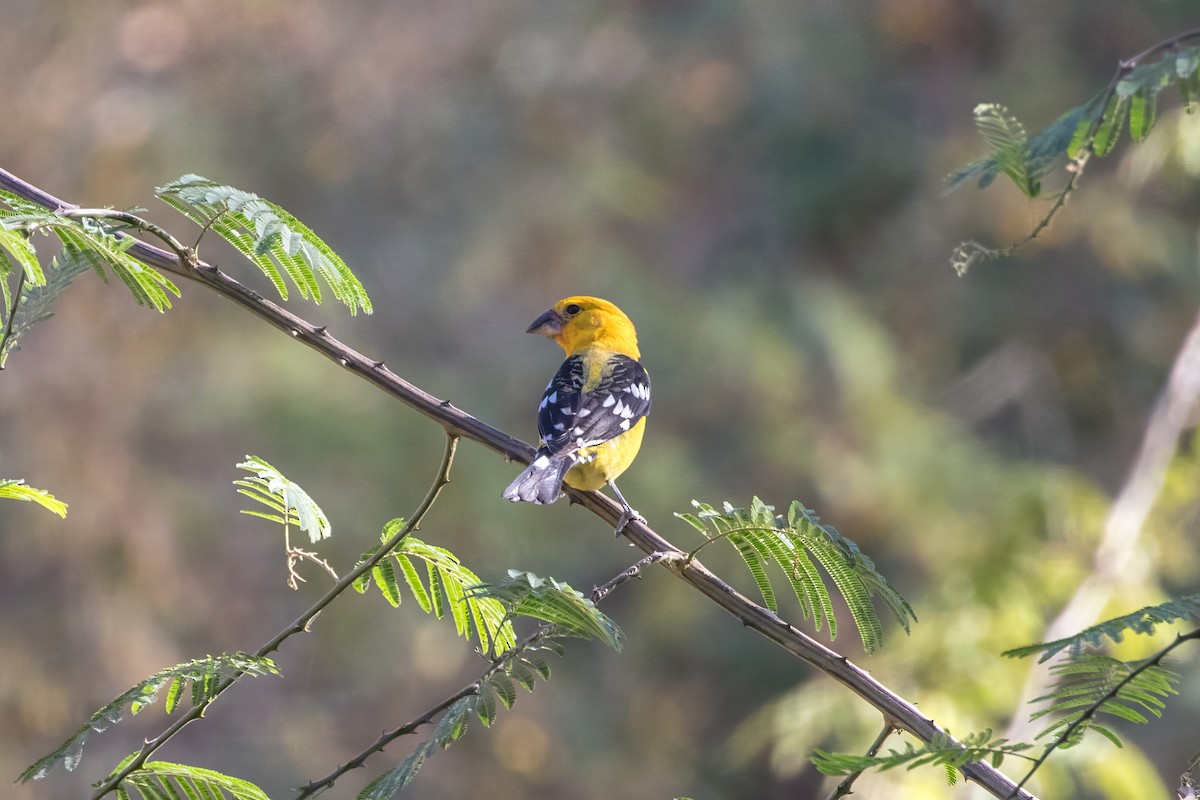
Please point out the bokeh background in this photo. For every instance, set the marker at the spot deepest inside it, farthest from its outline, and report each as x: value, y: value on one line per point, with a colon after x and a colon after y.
x: 759, y: 185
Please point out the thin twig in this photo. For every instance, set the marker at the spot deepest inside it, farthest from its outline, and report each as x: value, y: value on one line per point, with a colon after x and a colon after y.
x: 459, y: 423
x: 385, y: 738
x: 633, y: 571
x: 844, y: 789
x: 1095, y: 707
x: 426, y: 718
x: 12, y: 313
x: 185, y: 254
x: 302, y: 622
x: 968, y: 253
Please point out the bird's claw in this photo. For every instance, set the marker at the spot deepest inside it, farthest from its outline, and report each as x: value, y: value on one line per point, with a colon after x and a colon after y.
x: 627, y: 516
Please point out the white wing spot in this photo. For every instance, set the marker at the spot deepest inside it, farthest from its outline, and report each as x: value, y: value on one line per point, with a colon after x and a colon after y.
x: 558, y: 426
x: 608, y: 401
x: 624, y: 424
x: 553, y: 397
x: 566, y: 410
x: 583, y: 412
x: 541, y: 461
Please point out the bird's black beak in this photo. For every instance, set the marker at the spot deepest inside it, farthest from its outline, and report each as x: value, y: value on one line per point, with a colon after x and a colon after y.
x: 549, y: 324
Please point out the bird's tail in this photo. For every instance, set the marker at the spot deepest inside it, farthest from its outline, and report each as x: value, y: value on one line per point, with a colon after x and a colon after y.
x: 541, y: 482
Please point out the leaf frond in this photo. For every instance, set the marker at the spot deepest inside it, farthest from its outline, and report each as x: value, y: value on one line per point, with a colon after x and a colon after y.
x: 1093, y: 126
x: 203, y: 674
x: 1141, y: 622
x: 164, y: 779
x: 291, y: 504
x: 1096, y: 684
x: 274, y: 240
x: 796, y: 544
x: 450, y: 589
x: 940, y: 751
x: 15, y: 489
x: 527, y: 595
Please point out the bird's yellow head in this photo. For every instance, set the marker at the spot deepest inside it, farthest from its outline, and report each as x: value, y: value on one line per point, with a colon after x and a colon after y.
x: 580, y: 322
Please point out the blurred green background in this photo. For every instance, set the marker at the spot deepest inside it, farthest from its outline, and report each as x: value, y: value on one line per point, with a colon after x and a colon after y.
x: 758, y: 185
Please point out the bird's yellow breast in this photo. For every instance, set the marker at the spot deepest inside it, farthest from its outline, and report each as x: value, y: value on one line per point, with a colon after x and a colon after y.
x: 612, y: 458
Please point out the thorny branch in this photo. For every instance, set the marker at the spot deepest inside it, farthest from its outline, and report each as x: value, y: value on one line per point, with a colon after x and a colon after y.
x: 459, y: 423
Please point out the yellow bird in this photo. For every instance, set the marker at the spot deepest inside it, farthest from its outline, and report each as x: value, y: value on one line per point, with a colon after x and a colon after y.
x: 593, y: 412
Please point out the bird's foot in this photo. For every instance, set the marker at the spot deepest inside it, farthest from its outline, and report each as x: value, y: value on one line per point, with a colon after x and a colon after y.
x: 628, y: 515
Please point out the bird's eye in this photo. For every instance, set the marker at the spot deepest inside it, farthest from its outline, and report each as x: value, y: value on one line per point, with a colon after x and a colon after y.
x: 573, y: 309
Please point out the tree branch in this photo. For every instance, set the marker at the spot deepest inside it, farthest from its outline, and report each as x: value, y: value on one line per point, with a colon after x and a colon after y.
x: 459, y: 423
x: 300, y: 625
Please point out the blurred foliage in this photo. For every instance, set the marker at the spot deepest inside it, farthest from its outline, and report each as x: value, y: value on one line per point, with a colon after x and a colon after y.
x: 758, y: 186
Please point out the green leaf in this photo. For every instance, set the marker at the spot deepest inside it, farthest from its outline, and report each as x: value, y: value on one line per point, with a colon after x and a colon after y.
x: 525, y: 594
x: 385, y: 579
x: 486, y: 707
x: 90, y: 242
x: 793, y: 544
x: 940, y: 751
x: 272, y: 489
x: 163, y: 779
x: 1005, y: 134
x: 1091, y: 684
x: 1109, y: 129
x: 449, y: 585
x: 386, y: 785
x: 1142, y: 622
x: 204, y: 673
x: 37, y: 301
x: 503, y: 686
x: 1142, y: 108
x: 414, y: 582
x: 15, y: 489
x: 17, y: 249
x: 274, y: 240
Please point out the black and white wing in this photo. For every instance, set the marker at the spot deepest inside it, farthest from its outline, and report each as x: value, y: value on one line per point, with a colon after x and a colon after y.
x: 580, y: 409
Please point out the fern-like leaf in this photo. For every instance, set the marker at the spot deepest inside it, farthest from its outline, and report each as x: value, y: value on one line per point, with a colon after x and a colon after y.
x: 1097, y: 684
x: 203, y: 674
x: 795, y: 544
x: 15, y: 489
x: 163, y: 780
x: 92, y: 243
x: 289, y: 504
x: 450, y: 589
x: 1093, y: 126
x: 17, y: 253
x: 940, y: 751
x: 449, y: 729
x: 525, y: 594
x: 1005, y: 134
x: 277, y: 242
x: 1142, y: 622
x: 37, y: 300
x: 521, y: 665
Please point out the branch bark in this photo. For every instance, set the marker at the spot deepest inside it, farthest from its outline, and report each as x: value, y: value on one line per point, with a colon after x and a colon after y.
x: 899, y: 711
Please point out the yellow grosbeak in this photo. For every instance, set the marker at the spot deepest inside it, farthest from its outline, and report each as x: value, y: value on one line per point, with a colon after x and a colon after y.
x: 593, y: 412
